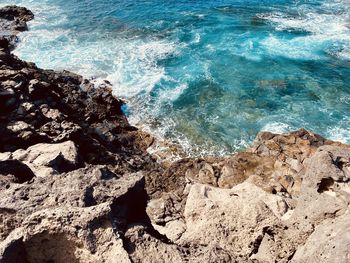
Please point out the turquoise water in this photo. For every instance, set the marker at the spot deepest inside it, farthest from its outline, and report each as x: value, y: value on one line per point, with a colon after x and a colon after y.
x: 207, y: 74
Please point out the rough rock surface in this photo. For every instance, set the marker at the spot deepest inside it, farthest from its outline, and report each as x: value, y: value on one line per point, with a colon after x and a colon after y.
x: 13, y: 19
x: 78, y: 185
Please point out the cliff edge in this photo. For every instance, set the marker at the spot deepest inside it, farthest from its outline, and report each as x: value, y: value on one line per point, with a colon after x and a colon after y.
x: 78, y: 185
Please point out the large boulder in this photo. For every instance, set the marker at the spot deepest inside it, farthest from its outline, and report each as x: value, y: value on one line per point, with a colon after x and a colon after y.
x: 329, y: 242
x: 231, y: 221
x: 13, y: 19
x: 65, y: 234
x: 49, y: 159
x: 73, y: 217
x: 325, y: 187
x: 13, y: 12
x: 144, y: 247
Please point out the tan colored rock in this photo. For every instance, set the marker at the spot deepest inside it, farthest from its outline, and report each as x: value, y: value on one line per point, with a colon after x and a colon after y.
x: 325, y: 186
x: 234, y: 220
x: 52, y: 114
x: 265, y: 252
x: 173, y: 230
x: 66, y: 234
x: 166, y: 215
x: 286, y: 198
x: 46, y: 159
x: 19, y: 126
x: 145, y: 248
x: 329, y: 242
x: 279, y: 204
x: 241, y: 166
x: 274, y: 163
x: 81, y: 188
x: 201, y: 172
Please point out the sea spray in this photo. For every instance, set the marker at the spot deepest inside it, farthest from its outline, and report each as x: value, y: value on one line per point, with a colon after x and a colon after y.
x: 207, y: 75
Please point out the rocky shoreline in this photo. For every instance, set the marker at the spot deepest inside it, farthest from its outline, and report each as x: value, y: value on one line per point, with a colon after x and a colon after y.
x: 78, y: 185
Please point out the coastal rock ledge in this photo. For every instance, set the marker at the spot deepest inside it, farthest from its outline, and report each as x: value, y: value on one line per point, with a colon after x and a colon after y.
x: 78, y: 185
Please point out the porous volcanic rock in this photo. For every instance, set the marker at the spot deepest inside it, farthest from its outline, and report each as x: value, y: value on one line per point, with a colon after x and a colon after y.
x: 77, y: 183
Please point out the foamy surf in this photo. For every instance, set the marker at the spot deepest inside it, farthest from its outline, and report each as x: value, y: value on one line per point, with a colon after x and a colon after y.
x: 325, y: 32
x: 207, y: 75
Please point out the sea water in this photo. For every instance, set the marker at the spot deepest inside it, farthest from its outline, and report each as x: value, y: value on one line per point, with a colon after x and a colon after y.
x: 208, y: 74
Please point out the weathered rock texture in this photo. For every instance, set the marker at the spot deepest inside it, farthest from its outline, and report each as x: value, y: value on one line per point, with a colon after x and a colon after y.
x: 77, y: 184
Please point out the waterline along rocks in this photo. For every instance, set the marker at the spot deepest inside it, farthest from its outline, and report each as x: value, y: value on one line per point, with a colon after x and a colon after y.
x: 78, y: 185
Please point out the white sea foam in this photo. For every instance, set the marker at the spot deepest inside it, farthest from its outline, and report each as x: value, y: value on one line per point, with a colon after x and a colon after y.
x: 197, y: 38
x: 340, y: 134
x: 276, y: 127
x: 129, y: 64
x: 249, y: 51
x: 297, y: 48
x: 45, y: 11
x: 328, y: 24
x: 325, y: 31
x: 173, y: 94
x: 136, y: 69
x: 132, y: 64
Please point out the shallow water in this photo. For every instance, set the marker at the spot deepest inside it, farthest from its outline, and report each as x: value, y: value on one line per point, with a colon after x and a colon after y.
x: 207, y: 74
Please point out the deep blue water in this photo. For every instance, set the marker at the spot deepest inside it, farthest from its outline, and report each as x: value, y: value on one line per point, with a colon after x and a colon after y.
x: 208, y: 74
